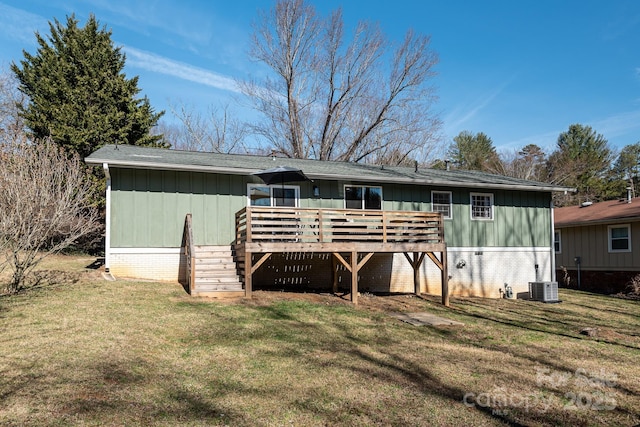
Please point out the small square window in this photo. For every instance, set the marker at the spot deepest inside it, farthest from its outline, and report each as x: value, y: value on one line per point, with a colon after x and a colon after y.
x: 441, y: 202
x: 482, y: 206
x: 619, y: 238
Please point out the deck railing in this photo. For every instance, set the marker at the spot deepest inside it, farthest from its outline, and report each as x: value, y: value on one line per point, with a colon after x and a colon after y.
x: 308, y: 225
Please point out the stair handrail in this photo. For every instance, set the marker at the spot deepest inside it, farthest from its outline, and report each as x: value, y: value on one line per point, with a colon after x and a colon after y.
x: 189, y: 252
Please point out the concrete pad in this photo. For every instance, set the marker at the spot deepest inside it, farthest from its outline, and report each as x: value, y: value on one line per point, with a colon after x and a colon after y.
x: 421, y: 319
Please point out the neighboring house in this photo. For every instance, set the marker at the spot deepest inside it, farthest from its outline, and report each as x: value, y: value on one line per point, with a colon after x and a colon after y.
x: 497, y: 230
x: 597, y: 245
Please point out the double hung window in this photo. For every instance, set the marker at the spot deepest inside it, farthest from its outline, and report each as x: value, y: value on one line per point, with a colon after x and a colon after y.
x: 441, y: 202
x: 482, y: 206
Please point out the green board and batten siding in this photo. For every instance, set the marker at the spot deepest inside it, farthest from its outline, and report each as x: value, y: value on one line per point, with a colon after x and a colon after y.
x: 148, y: 208
x: 520, y: 219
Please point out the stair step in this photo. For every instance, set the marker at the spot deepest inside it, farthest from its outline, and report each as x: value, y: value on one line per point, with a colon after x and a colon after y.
x: 216, y: 275
x: 215, y: 280
x: 220, y: 287
x: 214, y: 249
x: 214, y: 260
x: 209, y: 254
x: 220, y: 294
x: 215, y: 265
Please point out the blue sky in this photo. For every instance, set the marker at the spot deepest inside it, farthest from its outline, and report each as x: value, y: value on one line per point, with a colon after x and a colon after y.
x: 519, y: 71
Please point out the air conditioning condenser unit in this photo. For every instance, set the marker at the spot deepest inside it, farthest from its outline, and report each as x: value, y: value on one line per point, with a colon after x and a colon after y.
x: 544, y: 291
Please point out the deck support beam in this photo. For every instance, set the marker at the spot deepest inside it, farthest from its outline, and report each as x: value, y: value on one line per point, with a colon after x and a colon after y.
x: 441, y: 263
x: 415, y: 263
x: 353, y: 266
x: 261, y: 261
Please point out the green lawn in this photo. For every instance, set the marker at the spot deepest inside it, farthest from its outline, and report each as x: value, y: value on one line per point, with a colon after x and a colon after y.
x: 84, y: 351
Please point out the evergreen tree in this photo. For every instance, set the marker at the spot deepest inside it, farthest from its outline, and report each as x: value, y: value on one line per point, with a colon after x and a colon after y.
x: 78, y: 93
x: 474, y: 152
x: 582, y: 160
x: 627, y: 168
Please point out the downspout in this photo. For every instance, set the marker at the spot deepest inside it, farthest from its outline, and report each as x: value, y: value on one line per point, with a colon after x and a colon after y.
x: 553, y: 243
x: 107, y: 238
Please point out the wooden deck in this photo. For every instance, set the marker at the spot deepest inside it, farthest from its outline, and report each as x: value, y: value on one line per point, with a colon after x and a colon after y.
x: 352, y: 236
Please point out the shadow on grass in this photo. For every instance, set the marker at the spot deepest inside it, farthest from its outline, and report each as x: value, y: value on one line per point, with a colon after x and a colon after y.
x: 532, y: 321
x: 112, y: 395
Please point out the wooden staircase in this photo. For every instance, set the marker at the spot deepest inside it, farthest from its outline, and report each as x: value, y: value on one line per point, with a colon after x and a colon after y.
x: 216, y: 273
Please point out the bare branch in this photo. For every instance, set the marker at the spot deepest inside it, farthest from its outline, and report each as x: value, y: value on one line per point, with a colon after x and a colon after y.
x: 218, y: 132
x: 11, y: 99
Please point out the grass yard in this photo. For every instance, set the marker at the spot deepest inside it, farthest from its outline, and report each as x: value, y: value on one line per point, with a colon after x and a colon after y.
x: 84, y: 351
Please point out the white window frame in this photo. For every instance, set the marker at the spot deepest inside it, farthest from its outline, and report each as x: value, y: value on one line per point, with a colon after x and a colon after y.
x: 557, y: 233
x: 271, y: 197
x: 491, y: 209
x: 450, y: 206
x: 362, y: 206
x: 610, y: 238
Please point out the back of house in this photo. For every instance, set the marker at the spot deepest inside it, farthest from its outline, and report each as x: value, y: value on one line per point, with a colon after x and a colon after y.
x: 498, y: 230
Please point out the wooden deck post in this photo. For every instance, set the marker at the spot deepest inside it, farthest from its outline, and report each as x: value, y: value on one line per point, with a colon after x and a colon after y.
x: 445, y: 278
x: 248, y: 274
x: 192, y: 274
x: 334, y: 273
x: 416, y: 274
x: 354, y: 277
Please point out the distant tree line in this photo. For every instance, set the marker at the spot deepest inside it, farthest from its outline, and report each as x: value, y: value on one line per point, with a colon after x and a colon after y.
x: 582, y: 159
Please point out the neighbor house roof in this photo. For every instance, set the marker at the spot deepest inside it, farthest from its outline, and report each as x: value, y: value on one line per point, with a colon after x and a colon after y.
x: 130, y: 156
x: 598, y: 213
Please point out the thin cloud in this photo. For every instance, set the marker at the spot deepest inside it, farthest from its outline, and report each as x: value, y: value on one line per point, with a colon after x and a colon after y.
x: 619, y: 124
x: 187, y: 24
x: 21, y: 25
x: 455, y: 121
x: 162, y: 65
x: 610, y: 127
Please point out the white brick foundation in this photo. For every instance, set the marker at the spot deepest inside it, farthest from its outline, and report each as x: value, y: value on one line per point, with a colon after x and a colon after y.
x: 484, y: 271
x: 479, y: 272
x: 162, y: 264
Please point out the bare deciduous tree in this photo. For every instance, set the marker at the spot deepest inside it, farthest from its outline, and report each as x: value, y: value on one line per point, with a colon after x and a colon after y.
x: 528, y: 163
x: 11, y: 124
x: 43, y: 205
x: 218, y: 132
x: 335, y: 100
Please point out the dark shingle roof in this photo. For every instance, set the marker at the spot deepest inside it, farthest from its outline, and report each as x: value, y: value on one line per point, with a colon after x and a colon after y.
x: 598, y: 213
x: 130, y: 156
